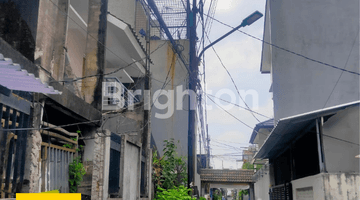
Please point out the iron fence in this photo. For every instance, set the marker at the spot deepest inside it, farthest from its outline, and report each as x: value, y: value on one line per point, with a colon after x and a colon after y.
x: 12, y: 150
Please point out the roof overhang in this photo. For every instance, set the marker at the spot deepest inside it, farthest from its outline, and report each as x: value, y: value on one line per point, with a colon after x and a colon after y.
x: 262, y: 125
x: 265, y: 65
x: 14, y: 77
x: 287, y: 129
x: 123, y: 47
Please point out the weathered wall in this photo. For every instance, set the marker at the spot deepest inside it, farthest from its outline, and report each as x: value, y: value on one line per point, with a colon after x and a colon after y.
x: 94, y: 62
x: 327, y: 186
x: 342, y: 186
x: 32, y: 164
x: 131, y: 172
x: 340, y: 154
x: 176, y: 125
x: 316, y: 184
x: 129, y: 123
x: 100, y: 174
x: 127, y: 15
x: 324, y: 31
x: 50, y: 38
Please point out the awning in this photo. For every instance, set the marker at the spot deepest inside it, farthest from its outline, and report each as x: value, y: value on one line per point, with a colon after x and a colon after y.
x: 288, y: 128
x: 14, y: 77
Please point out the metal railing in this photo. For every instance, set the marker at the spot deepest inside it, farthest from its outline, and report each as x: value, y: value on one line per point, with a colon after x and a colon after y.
x: 116, y: 96
x: 281, y: 192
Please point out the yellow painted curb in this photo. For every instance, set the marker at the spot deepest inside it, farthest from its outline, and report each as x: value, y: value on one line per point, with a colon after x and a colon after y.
x: 47, y: 196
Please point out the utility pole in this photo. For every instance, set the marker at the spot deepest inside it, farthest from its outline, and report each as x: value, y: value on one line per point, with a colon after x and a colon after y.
x: 147, y: 114
x: 193, y: 68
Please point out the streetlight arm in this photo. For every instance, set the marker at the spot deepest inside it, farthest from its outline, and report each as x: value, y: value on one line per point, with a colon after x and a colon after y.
x: 219, y: 39
x: 247, y: 21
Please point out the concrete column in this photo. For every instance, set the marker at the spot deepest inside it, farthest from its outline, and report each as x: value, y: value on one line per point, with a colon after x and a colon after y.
x: 100, y: 172
x: 60, y: 40
x: 94, y: 61
x: 32, y: 159
x: 50, y: 38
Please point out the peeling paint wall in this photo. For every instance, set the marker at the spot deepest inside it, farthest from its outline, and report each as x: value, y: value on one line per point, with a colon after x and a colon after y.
x: 344, y: 186
x: 50, y: 38
x: 94, y: 62
x: 327, y: 186
x: 32, y: 165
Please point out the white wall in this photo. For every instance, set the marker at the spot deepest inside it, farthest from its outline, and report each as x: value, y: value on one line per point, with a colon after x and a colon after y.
x: 262, y: 187
x: 316, y: 182
x: 176, y: 126
x: 326, y: 31
x: 340, y: 155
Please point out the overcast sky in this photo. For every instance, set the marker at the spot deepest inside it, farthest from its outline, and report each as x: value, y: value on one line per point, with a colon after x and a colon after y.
x: 241, y: 55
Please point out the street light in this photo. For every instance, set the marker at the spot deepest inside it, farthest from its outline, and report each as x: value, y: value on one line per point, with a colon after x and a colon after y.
x: 246, y: 22
x: 193, y: 66
x: 251, y: 18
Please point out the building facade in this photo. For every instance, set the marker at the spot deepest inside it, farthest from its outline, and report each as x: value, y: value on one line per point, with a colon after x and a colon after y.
x: 313, y: 61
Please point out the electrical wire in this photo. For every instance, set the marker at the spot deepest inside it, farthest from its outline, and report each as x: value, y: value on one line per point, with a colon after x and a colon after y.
x: 60, y: 126
x: 237, y: 105
x: 342, y: 72
x: 231, y: 78
x: 236, y: 117
x: 105, y: 74
x: 289, y: 51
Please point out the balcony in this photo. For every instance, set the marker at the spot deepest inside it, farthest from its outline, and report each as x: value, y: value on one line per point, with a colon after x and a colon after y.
x: 116, y: 96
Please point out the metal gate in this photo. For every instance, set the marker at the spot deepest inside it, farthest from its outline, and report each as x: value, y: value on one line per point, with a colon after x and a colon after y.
x: 12, y: 150
x: 55, y: 159
x: 114, y: 171
x: 281, y: 192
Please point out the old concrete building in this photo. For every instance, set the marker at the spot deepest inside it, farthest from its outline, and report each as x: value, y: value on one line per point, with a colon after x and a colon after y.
x: 314, y: 67
x: 34, y: 34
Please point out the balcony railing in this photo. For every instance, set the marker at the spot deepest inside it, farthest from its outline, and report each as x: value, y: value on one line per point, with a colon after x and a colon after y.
x: 116, y: 96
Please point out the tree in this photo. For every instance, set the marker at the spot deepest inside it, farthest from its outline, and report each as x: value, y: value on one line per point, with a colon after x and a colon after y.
x: 170, y: 175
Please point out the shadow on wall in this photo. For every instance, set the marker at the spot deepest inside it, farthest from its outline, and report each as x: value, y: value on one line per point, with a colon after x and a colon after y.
x: 15, y: 30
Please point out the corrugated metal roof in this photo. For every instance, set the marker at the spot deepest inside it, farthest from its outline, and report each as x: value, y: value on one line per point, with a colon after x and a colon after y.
x: 227, y: 176
x: 14, y: 77
x: 288, y: 128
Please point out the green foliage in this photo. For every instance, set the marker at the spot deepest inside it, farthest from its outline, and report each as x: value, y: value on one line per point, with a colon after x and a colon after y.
x: 80, y: 149
x: 170, y: 174
x: 217, y: 196
x: 52, y: 191
x: 176, y: 193
x: 202, y: 198
x: 247, y: 165
x: 70, y: 146
x: 169, y: 170
x: 243, y: 192
x: 76, y: 173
